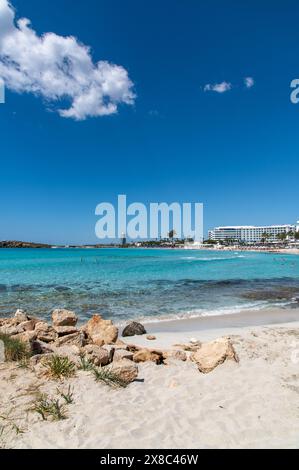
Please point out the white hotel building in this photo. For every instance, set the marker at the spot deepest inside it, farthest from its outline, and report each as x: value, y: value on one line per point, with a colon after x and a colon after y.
x: 251, y: 234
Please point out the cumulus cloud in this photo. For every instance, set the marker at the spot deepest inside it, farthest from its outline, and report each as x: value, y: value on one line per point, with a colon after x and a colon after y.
x: 218, y: 87
x: 59, y: 68
x: 249, y: 82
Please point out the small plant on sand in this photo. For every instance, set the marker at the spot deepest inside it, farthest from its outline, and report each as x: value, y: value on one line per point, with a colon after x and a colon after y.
x: 68, y: 396
x: 9, y: 424
x: 15, y: 350
x: 59, y: 367
x: 49, y: 408
x: 85, y: 364
x: 24, y: 363
x: 108, y: 377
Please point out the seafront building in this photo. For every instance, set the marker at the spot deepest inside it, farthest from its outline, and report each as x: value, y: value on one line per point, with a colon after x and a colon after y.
x: 252, y: 234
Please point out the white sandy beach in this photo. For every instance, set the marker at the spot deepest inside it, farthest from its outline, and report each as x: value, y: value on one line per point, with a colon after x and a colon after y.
x: 250, y: 404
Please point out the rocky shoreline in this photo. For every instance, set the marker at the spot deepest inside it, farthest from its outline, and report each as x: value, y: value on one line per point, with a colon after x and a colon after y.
x: 98, y: 342
x: 88, y: 386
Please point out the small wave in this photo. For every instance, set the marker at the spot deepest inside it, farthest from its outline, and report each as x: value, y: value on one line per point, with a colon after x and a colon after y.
x: 195, y: 258
x: 200, y: 313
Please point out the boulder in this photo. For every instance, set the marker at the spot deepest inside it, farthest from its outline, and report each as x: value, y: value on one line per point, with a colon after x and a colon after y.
x: 20, y: 316
x: 69, y: 350
x: 125, y: 369
x: 28, y: 325
x: 110, y: 350
x: 45, y: 332
x: 176, y: 354
x: 65, y: 330
x: 151, y: 338
x: 120, y: 354
x: 39, y: 347
x: 133, y: 329
x: 214, y: 353
x: 10, y: 330
x: 26, y: 337
x: 34, y: 360
x: 145, y: 355
x: 191, y: 347
x: 62, y: 317
x: 101, y: 331
x: 95, y: 354
x: 76, y: 339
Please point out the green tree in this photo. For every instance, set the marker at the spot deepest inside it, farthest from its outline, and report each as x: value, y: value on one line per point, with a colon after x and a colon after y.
x: 265, y: 237
x: 281, y: 236
x: 172, y: 234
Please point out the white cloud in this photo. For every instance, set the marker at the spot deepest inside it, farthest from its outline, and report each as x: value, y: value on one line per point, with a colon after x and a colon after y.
x: 218, y: 87
x: 249, y: 82
x: 58, y: 68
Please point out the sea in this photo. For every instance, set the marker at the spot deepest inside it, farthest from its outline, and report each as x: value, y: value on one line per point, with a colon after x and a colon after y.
x: 145, y: 284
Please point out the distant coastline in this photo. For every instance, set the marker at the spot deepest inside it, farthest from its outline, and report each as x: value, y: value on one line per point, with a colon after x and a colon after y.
x: 151, y: 245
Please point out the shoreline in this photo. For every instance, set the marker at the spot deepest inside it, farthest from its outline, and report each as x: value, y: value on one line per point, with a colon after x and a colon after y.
x: 207, y: 328
x: 262, y: 249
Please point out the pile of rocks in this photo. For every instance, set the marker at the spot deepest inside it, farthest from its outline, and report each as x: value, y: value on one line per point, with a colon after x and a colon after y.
x: 98, y: 342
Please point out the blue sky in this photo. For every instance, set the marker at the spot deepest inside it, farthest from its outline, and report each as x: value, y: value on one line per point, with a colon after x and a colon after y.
x: 236, y: 151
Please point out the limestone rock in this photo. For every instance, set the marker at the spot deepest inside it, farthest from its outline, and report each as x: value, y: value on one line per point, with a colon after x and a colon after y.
x: 65, y: 330
x: 45, y: 332
x: 21, y: 316
x: 151, y: 338
x: 125, y: 369
x: 10, y: 330
x: 176, y: 354
x: 145, y: 355
x: 120, y: 354
x: 214, y: 353
x: 62, y: 317
x: 34, y: 360
x: 69, y: 350
x: 101, y: 331
x: 95, y: 354
x: 26, y: 337
x: 39, y: 347
x: 28, y: 325
x: 110, y: 350
x: 133, y: 329
x: 76, y: 339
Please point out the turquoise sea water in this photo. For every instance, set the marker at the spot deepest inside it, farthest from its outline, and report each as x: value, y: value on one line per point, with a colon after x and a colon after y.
x: 123, y: 284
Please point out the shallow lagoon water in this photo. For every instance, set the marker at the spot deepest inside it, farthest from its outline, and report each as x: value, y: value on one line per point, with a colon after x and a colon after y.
x: 151, y: 284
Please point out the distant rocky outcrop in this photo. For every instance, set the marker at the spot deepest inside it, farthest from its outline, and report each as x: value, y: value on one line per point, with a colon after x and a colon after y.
x: 18, y: 244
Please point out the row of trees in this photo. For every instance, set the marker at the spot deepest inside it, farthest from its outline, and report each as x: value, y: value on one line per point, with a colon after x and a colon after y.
x: 283, y: 237
x: 280, y: 236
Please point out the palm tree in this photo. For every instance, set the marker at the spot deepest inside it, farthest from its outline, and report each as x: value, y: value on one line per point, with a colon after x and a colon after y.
x: 172, y: 234
x: 265, y: 236
x: 281, y: 236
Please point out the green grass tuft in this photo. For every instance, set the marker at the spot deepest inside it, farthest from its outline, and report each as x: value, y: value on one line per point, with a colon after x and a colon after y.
x: 85, y: 364
x: 68, y: 396
x: 59, y: 367
x: 108, y: 377
x: 49, y: 408
x: 15, y: 350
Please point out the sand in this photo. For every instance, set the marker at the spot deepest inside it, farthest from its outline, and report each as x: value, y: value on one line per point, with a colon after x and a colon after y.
x: 252, y: 404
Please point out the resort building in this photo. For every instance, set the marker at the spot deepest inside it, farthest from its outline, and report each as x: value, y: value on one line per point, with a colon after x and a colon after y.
x: 251, y: 234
